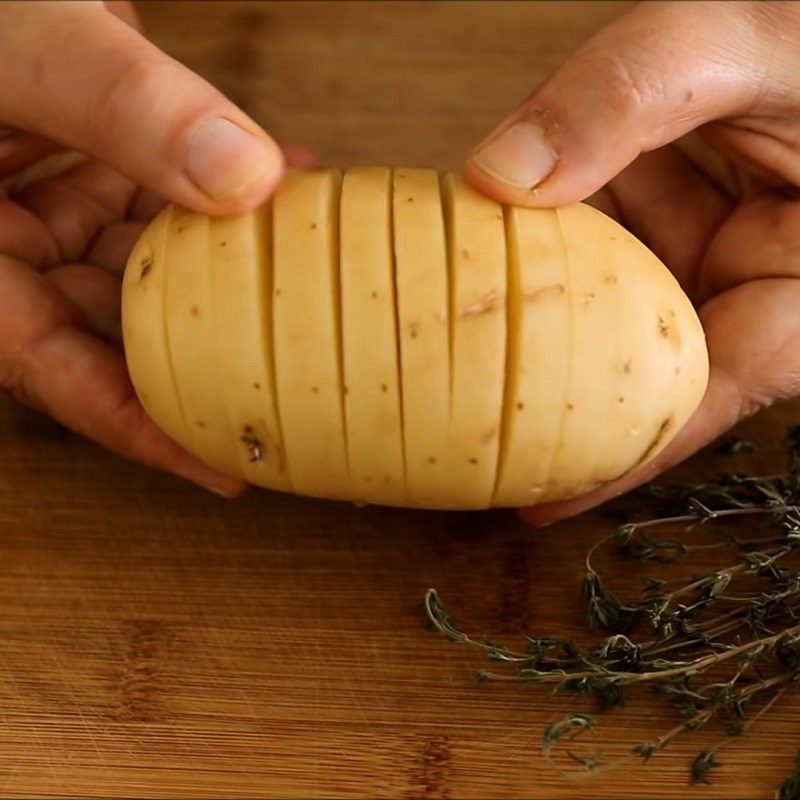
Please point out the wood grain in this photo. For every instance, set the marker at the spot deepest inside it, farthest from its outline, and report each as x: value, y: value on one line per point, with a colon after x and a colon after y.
x: 159, y: 642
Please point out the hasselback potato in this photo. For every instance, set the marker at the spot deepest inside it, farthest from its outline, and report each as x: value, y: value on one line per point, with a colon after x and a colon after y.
x: 394, y: 337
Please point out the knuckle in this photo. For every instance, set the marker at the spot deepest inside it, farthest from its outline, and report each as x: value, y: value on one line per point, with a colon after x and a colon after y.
x: 136, y: 83
x: 626, y: 86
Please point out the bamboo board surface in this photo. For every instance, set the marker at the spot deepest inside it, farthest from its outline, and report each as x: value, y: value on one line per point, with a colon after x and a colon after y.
x: 159, y: 642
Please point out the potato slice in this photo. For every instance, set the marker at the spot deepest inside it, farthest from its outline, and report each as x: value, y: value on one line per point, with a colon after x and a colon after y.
x: 144, y: 330
x: 373, y: 414
x: 306, y: 328
x: 421, y: 274
x: 477, y: 272
x: 191, y: 339
x: 241, y: 288
x: 539, y: 317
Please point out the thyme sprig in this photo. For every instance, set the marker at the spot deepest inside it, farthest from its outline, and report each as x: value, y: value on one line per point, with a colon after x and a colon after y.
x: 721, y: 647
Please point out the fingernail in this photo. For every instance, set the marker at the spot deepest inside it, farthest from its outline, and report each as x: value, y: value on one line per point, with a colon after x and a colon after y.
x: 520, y: 156
x: 224, y: 160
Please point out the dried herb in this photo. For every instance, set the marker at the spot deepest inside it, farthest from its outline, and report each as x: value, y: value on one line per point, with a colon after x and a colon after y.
x: 722, y: 647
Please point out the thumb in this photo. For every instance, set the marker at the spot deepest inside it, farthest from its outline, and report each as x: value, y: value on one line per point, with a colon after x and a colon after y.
x: 80, y: 76
x: 649, y: 77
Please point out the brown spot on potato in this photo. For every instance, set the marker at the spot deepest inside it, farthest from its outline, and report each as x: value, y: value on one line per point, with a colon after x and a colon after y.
x: 520, y: 406
x: 473, y: 460
x: 465, y: 254
x: 620, y: 399
x: 384, y: 388
x: 668, y: 328
x: 626, y: 366
x: 223, y: 244
x: 431, y: 460
x: 194, y: 311
x: 256, y: 385
x: 200, y: 423
x: 587, y: 299
x: 180, y: 228
x: 254, y: 446
x: 145, y: 265
x: 313, y: 226
x: 277, y: 293
x: 570, y: 406
x: 315, y: 389
x: 610, y: 279
x: 368, y: 479
x: 374, y: 295
x: 409, y: 199
x: 542, y: 291
x: 488, y: 435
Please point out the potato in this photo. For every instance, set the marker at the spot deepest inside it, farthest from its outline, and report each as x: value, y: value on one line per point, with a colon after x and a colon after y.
x: 394, y: 337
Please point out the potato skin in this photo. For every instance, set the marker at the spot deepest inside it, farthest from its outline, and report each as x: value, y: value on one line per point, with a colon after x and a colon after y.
x: 599, y: 357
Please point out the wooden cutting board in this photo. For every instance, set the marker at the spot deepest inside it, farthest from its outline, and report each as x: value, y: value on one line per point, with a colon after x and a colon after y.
x: 159, y: 642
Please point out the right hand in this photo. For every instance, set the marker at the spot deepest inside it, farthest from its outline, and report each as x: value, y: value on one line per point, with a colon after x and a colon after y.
x: 681, y: 119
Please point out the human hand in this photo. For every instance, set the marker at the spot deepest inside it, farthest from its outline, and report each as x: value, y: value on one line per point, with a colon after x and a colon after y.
x: 682, y: 120
x: 76, y: 76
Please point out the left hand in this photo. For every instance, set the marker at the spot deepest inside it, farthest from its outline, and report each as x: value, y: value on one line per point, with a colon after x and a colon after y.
x: 76, y: 76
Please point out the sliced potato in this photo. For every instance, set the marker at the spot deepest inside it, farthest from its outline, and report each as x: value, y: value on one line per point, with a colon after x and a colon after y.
x: 539, y: 337
x: 241, y: 287
x: 422, y: 301
x: 410, y: 342
x: 477, y: 272
x: 306, y: 328
x: 373, y: 415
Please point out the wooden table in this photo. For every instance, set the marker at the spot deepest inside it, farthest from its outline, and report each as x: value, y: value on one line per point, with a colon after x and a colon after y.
x: 157, y: 641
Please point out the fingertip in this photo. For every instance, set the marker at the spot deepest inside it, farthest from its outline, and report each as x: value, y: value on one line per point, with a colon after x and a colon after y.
x: 298, y: 155
x: 225, y: 487
x: 233, y: 168
x: 536, y: 516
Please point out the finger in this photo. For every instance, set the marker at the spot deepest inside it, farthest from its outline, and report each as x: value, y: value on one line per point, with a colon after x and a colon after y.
x: 98, y: 86
x: 25, y: 237
x: 651, y: 76
x: 95, y: 293
x: 145, y: 206
x: 47, y: 362
x: 298, y: 155
x: 19, y: 150
x: 673, y: 208
x: 759, y: 241
x: 75, y: 206
x: 753, y: 334
x: 111, y: 248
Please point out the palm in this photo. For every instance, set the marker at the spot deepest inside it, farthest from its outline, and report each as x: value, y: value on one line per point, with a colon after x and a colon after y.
x: 63, y: 245
x: 732, y: 242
